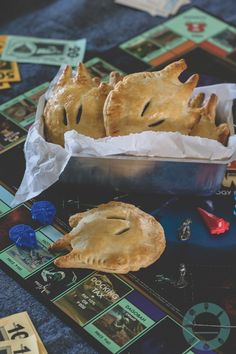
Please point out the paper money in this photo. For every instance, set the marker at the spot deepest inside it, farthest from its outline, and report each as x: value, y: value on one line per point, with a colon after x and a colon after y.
x: 18, y: 327
x: 44, y: 51
x: 25, y: 345
x: 162, y: 8
x: 4, y: 85
x: 9, y: 71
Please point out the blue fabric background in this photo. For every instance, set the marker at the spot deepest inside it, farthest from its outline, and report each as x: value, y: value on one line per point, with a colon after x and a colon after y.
x: 105, y: 25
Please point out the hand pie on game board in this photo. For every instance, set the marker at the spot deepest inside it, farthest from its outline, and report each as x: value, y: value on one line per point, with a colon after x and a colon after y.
x: 114, y: 237
x: 152, y: 101
x: 206, y: 128
x: 77, y: 103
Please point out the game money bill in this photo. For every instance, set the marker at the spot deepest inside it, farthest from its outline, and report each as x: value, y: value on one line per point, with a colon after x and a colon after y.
x: 4, y: 85
x: 9, y: 71
x: 18, y: 346
x: 17, y: 327
x: 44, y: 51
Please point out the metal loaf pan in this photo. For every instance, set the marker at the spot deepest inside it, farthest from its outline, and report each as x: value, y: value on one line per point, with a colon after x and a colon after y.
x: 146, y: 174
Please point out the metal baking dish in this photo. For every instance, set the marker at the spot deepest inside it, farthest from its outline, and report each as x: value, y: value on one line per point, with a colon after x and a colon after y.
x: 146, y: 174
x: 127, y: 173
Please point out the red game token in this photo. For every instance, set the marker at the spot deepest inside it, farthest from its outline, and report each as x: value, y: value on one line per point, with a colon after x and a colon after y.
x: 216, y: 225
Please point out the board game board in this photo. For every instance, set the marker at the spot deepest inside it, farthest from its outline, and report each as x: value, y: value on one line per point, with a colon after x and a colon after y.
x: 145, y: 311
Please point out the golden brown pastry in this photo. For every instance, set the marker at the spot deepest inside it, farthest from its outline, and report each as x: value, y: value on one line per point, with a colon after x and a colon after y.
x: 206, y: 127
x: 152, y: 101
x: 77, y: 103
x: 138, y: 102
x: 114, y: 237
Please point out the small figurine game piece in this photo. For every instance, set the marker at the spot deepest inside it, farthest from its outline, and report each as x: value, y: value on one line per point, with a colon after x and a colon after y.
x: 216, y: 225
x: 184, y: 230
x: 181, y: 282
x: 44, y: 212
x: 23, y: 236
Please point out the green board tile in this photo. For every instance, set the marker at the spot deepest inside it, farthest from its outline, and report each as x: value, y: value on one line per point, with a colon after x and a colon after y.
x: 225, y: 39
x: 196, y: 25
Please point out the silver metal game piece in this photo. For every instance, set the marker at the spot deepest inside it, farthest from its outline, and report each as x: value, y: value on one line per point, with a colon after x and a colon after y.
x: 184, y: 230
x: 181, y: 282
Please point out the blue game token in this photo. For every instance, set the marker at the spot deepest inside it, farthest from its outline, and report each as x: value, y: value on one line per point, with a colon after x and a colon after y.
x: 44, y: 212
x: 23, y: 236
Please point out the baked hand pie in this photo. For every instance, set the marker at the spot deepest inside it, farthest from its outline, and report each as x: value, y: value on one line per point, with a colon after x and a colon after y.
x: 114, y: 237
x: 77, y: 103
x: 206, y: 127
x: 152, y: 101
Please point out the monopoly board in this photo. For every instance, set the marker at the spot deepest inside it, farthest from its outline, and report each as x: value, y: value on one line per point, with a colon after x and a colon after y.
x: 145, y: 311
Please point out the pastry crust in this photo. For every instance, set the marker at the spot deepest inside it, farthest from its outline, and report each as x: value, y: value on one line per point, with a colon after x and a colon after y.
x: 152, y: 101
x: 114, y: 237
x: 139, y: 102
x: 77, y: 103
x: 206, y: 128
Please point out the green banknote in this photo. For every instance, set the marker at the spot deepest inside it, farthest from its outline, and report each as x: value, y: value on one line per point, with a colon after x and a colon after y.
x: 44, y: 51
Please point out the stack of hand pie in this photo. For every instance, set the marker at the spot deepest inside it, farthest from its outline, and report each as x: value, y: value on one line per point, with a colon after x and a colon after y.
x: 132, y: 104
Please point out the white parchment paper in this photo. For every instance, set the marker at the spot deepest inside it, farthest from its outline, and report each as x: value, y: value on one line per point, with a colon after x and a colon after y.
x: 46, y: 161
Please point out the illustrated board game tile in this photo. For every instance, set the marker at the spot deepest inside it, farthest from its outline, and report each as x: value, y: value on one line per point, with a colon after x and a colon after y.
x: 92, y: 296
x: 196, y: 25
x: 184, y: 47
x: 213, y: 49
x: 25, y: 261
x: 10, y: 134
x: 20, y: 110
x: 6, y: 196
x: 225, y: 39
x: 102, y: 337
x: 52, y: 281
x: 119, y: 325
x: 165, y: 337
x: 162, y: 58
x: 142, y: 48
x: 163, y: 37
x: 101, y: 68
x: 145, y: 305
